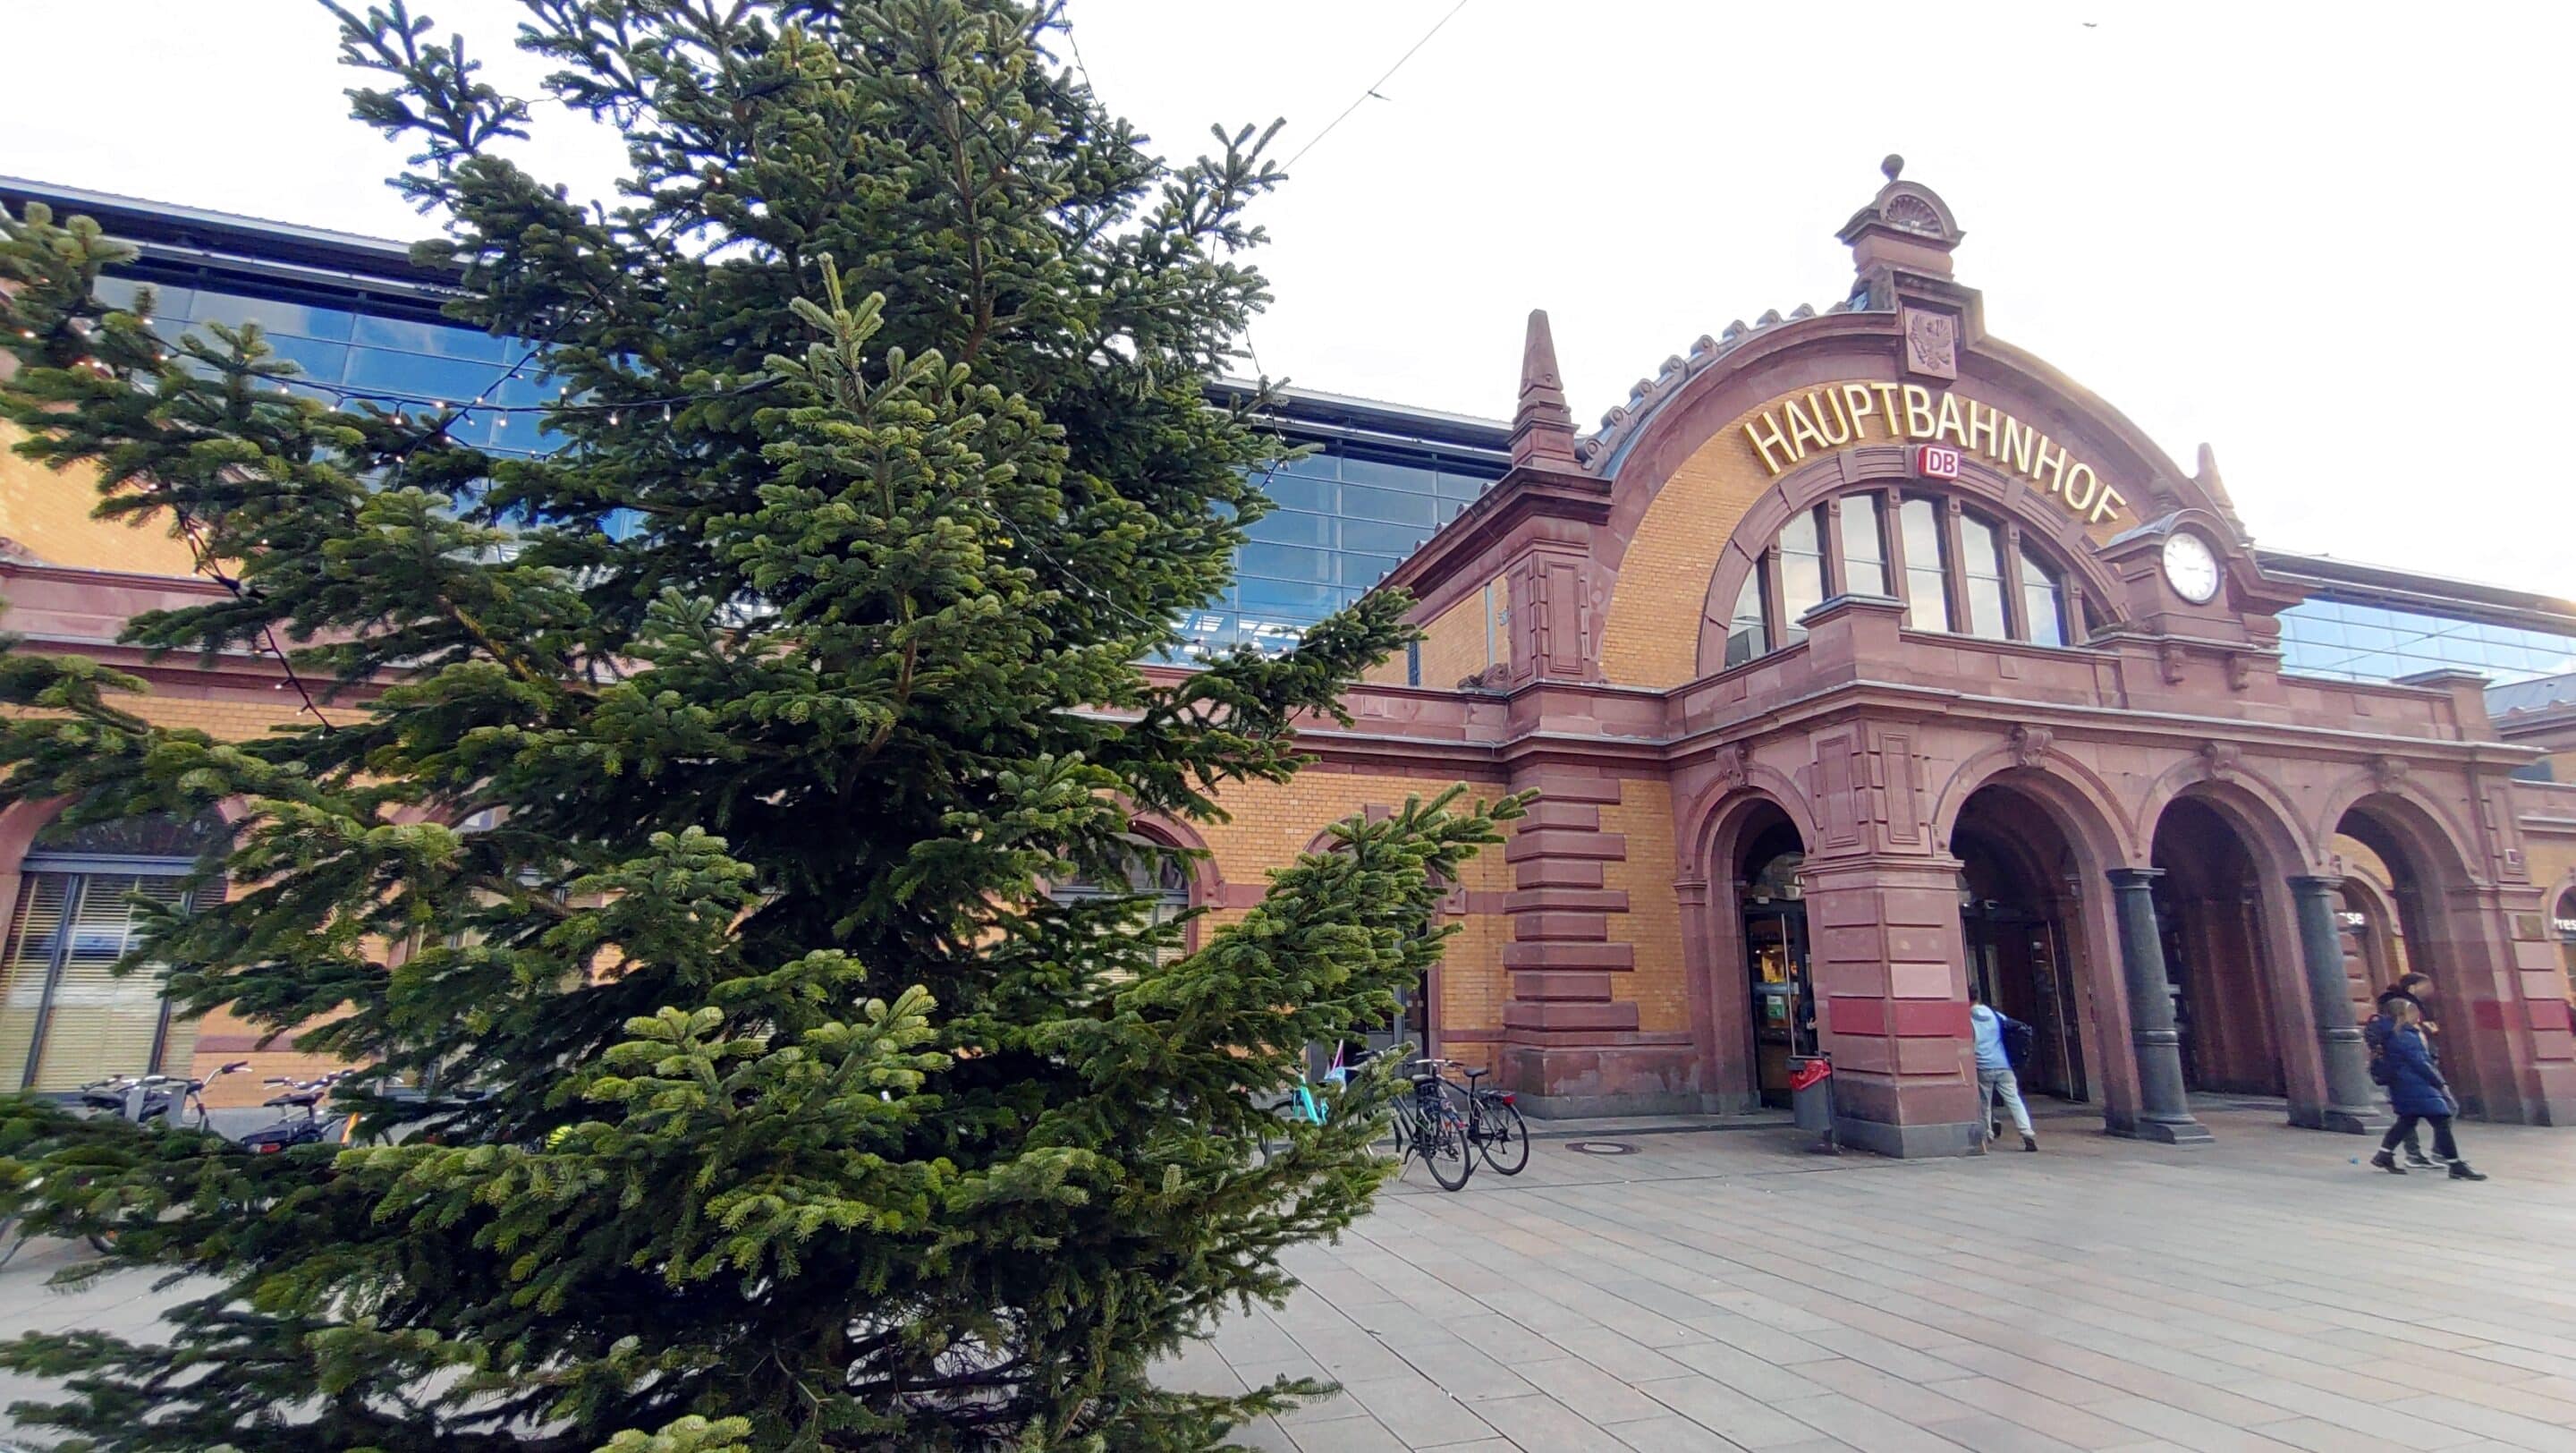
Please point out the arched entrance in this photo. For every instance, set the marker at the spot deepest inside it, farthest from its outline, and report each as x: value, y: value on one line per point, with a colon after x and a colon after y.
x: 2210, y: 911
x: 2562, y: 927
x: 2398, y: 842
x: 1770, y: 904
x: 2018, y: 882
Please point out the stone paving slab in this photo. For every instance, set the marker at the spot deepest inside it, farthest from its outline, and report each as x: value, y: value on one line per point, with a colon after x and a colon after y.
x: 1734, y: 1293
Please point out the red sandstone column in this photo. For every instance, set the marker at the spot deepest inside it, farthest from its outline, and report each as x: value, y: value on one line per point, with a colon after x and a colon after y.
x: 1885, y: 959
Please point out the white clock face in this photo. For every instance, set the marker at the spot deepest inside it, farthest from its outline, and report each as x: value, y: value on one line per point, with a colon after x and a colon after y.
x: 2190, y: 568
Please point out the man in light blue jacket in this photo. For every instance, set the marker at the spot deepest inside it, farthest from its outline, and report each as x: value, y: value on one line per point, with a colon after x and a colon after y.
x: 1994, y: 1068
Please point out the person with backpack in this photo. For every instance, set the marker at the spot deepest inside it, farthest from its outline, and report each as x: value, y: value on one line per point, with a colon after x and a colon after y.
x: 2417, y: 1091
x: 2410, y: 988
x: 1988, y: 1026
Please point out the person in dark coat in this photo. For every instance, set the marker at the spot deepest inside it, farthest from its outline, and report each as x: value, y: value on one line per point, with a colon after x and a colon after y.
x: 2418, y: 1093
x: 2412, y: 988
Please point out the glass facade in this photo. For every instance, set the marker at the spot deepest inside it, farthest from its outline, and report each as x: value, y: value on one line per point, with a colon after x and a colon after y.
x: 1345, y: 516
x: 2324, y: 636
x: 1346, y: 513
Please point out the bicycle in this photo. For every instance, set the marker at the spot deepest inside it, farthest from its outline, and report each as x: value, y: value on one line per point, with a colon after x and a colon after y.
x: 1429, y: 1128
x: 1495, y: 1126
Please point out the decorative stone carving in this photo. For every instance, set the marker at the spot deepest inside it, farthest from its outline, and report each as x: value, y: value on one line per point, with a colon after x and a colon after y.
x: 1931, y: 344
x: 2221, y: 761
x: 1733, y: 769
x: 2240, y: 670
x: 2030, y: 743
x: 2169, y: 655
x: 2388, y: 774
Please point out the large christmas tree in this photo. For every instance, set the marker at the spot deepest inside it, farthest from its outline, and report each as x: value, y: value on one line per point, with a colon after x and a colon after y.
x: 779, y: 1104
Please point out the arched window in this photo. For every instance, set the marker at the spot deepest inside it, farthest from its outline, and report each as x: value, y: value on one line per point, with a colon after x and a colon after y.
x: 1158, y: 875
x: 65, y: 1019
x: 1955, y: 570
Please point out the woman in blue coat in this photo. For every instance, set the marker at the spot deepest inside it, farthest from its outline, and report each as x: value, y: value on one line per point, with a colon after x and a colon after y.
x: 2417, y: 1092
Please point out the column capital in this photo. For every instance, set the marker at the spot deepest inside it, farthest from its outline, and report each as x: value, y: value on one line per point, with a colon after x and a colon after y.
x: 2133, y: 877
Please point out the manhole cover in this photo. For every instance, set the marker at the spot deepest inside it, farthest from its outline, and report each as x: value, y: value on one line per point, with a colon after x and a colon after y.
x: 1600, y: 1147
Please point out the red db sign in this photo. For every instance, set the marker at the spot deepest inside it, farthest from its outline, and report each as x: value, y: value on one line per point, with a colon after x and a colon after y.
x: 1934, y: 462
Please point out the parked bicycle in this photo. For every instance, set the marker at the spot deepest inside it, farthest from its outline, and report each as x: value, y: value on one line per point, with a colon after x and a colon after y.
x: 1494, y: 1125
x: 1430, y: 1127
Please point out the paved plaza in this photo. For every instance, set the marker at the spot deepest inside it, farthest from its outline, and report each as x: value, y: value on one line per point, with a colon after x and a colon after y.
x: 1724, y: 1289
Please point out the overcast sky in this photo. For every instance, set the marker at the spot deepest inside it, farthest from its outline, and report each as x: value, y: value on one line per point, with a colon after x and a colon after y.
x: 2322, y: 238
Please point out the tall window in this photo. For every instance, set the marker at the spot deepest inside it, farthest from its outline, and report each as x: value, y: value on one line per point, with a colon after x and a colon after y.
x: 1927, y: 588
x: 1156, y: 875
x: 2043, y: 604
x: 1982, y: 566
x: 1864, y: 549
x: 1802, y: 572
x: 1745, y: 636
x: 65, y: 1017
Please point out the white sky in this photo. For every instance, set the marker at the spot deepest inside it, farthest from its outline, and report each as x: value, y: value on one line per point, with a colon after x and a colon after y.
x: 2321, y: 238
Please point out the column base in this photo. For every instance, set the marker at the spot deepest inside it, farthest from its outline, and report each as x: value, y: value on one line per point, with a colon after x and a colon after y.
x: 1582, y: 1082
x: 1912, y: 1142
x: 2164, y: 1132
x: 2339, y: 1120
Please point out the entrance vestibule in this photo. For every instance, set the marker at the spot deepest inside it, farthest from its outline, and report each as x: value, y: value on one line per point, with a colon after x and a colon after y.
x: 2017, y: 888
x: 1773, y: 906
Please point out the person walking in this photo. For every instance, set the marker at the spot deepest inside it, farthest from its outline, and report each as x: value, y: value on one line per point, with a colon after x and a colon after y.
x: 2411, y: 988
x: 1988, y: 1025
x: 2417, y: 1091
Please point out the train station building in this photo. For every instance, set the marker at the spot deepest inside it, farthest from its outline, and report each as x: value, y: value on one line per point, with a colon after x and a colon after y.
x: 1858, y: 658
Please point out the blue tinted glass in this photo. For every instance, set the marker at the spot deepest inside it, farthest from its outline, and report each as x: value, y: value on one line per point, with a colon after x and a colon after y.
x: 322, y: 362
x: 1356, y: 470
x: 1292, y: 527
x: 1463, y: 486
x: 1285, y: 562
x: 1364, y: 570
x: 1361, y: 502
x: 1318, y: 465
x: 1280, y: 597
x: 328, y: 324
x: 1383, y: 539
x: 453, y: 381
x: 1305, y: 494
x: 443, y: 339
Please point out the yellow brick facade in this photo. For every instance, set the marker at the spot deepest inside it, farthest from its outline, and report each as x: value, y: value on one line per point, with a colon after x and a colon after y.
x: 1653, y: 923
x: 1467, y: 637
x: 1651, y: 636
x: 1271, y: 823
x: 46, y: 515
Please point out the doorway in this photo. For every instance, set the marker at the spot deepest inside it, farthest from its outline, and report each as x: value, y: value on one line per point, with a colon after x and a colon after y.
x: 2014, y: 901
x: 2209, y: 911
x: 1775, y: 957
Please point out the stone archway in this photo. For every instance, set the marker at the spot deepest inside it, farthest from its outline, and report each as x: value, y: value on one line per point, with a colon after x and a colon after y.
x: 2023, y: 934
x: 2453, y: 926
x: 1750, y: 928
x: 2212, y: 904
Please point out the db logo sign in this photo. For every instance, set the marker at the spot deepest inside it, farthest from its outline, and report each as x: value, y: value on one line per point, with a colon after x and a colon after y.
x: 1934, y: 462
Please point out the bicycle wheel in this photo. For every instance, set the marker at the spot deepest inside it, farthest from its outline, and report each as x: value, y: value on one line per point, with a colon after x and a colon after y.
x: 16, y: 1240
x: 1505, y: 1141
x: 1442, y: 1144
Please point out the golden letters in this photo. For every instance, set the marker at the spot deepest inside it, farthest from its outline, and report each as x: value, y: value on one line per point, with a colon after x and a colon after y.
x: 1837, y: 415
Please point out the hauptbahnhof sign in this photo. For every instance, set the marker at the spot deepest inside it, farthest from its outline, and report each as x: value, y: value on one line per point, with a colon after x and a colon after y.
x: 1840, y: 415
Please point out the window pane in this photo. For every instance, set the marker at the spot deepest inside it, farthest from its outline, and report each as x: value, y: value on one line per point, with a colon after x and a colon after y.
x: 1382, y: 539
x: 1292, y: 527
x: 443, y: 339
x: 1745, y: 636
x: 331, y: 325
x: 1362, y: 502
x: 1802, y: 574
x: 1864, y: 552
x: 1392, y: 476
x: 1927, y: 589
x: 2041, y: 604
x: 1983, y: 570
x: 1292, y: 492
x: 1285, y: 562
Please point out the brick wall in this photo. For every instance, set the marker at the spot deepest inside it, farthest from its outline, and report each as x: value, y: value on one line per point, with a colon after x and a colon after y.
x: 47, y: 515
x: 1271, y: 823
x: 1464, y: 639
x: 1652, y: 924
x: 1651, y: 635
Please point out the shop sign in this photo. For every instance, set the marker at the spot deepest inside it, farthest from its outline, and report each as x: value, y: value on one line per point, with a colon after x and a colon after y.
x: 1840, y: 415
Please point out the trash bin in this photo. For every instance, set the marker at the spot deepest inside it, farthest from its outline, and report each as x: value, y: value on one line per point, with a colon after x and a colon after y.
x: 1811, y: 1096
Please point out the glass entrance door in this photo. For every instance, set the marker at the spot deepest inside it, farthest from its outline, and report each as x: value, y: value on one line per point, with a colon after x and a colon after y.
x: 1784, y: 1014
